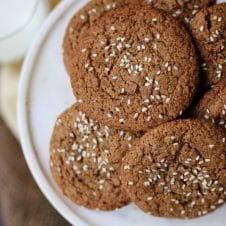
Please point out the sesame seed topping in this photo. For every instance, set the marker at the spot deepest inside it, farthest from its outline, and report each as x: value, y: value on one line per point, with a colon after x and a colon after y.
x: 121, y: 120
x: 201, y: 28
x: 220, y: 201
x: 82, y: 17
x: 149, y: 198
x: 109, y: 115
x: 113, y: 28
x: 211, y: 146
x: 126, y: 167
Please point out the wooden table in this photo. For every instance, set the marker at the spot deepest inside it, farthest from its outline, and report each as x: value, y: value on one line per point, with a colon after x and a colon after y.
x: 21, y: 202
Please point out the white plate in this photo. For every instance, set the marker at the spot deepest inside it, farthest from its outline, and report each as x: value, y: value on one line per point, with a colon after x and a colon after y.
x: 44, y: 93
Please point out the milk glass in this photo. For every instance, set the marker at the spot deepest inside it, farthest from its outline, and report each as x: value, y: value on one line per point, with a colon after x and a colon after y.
x: 19, y: 22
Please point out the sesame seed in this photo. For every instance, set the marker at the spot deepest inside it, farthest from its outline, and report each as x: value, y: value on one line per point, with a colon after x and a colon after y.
x: 114, y: 77
x: 113, y: 28
x: 135, y: 115
x: 126, y: 167
x: 193, y: 203
x: 121, y: 120
x: 201, y: 28
x: 220, y: 201
x: 82, y: 17
x: 158, y: 36
x: 79, y: 158
x: 144, y: 109
x: 182, y: 212
x: 219, y: 19
x: 130, y: 183
x: 109, y: 115
x: 211, y: 146
x: 149, y: 198
x: 85, y: 168
x: 122, y: 90
x: 83, y: 50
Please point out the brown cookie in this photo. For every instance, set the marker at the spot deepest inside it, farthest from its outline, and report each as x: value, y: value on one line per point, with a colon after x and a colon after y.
x: 93, y: 10
x: 209, y: 31
x: 85, y: 157
x: 213, y: 105
x: 177, y: 169
x: 129, y: 71
x: 183, y: 10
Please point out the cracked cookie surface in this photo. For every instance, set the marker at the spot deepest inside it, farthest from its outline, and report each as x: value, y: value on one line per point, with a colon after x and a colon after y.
x: 208, y: 28
x: 212, y: 106
x: 129, y: 71
x: 183, y: 10
x: 85, y: 157
x: 177, y: 169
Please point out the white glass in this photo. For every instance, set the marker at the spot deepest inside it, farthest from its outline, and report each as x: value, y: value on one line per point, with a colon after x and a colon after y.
x: 19, y: 22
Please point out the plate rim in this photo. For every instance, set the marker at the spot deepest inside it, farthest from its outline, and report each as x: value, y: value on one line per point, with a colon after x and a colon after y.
x: 27, y: 145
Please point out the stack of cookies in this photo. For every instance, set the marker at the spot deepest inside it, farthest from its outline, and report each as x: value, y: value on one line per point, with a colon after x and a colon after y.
x: 148, y: 77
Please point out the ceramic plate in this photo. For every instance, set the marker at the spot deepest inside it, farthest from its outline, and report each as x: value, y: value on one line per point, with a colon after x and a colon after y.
x: 44, y: 93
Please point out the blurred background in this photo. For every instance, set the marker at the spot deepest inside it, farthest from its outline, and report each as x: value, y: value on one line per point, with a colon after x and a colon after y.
x: 22, y: 203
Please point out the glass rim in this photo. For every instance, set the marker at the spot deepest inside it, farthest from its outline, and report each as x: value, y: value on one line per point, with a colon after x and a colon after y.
x: 24, y: 25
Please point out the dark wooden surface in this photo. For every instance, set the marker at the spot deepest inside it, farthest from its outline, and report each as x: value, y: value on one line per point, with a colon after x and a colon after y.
x: 21, y: 202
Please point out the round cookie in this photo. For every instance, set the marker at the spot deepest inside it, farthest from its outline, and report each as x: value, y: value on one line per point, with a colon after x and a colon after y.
x: 177, y: 169
x: 85, y: 157
x: 213, y: 105
x: 208, y: 30
x: 129, y: 69
x: 87, y: 15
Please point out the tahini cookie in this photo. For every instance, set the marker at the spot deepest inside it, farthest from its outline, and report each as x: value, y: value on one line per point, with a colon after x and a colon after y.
x: 208, y: 30
x: 212, y: 106
x: 177, y: 169
x: 136, y: 68
x: 85, y: 157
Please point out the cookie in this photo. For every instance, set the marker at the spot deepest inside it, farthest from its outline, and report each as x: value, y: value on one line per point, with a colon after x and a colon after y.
x: 208, y: 30
x: 212, y: 106
x: 85, y: 157
x: 81, y: 21
x: 183, y: 10
x: 177, y: 169
x: 129, y: 70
